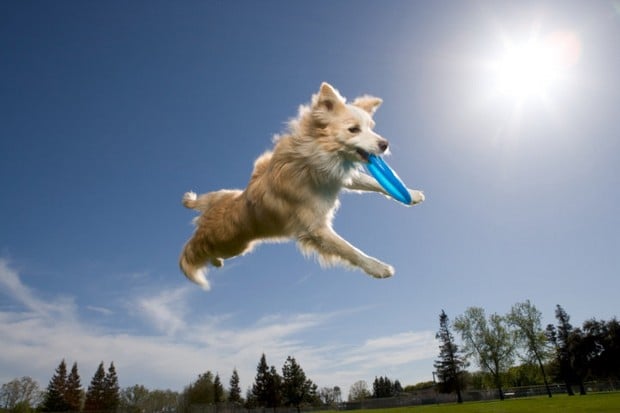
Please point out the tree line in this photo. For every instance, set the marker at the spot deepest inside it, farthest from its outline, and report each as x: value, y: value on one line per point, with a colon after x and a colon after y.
x: 555, y: 353
x: 559, y: 353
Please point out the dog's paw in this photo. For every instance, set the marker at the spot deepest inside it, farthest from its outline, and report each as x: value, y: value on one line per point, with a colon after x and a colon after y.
x: 416, y: 196
x: 379, y: 270
x: 216, y: 262
x: 189, y: 198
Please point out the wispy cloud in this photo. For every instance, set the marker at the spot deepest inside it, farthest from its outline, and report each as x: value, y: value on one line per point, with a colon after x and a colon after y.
x: 13, y: 287
x: 38, y: 333
x: 165, y: 310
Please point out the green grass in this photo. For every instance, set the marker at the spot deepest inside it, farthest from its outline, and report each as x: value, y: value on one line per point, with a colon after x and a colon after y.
x: 591, y: 403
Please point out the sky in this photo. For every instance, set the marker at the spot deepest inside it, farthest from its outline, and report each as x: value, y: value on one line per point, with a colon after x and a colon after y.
x: 504, y: 113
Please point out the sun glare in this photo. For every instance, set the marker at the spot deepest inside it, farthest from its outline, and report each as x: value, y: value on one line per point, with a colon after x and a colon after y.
x: 535, y: 67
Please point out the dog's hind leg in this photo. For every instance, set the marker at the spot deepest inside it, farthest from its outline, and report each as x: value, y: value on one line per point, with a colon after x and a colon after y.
x: 194, y: 259
x: 330, y: 246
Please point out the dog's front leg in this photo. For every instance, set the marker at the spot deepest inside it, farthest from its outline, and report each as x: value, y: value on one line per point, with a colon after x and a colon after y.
x: 330, y: 245
x: 364, y: 182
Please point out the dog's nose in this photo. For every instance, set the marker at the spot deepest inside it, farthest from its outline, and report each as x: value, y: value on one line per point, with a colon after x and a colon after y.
x: 383, y: 145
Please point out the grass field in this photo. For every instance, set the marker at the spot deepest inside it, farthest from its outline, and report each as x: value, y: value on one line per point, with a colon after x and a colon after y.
x: 591, y: 403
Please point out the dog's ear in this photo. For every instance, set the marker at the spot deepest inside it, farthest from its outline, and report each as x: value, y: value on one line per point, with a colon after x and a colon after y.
x: 326, y: 102
x: 368, y: 103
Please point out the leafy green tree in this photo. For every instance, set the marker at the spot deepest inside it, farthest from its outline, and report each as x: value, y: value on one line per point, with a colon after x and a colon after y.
x: 580, y: 351
x: 139, y: 399
x: 451, y: 362
x: 490, y: 342
x: 297, y: 388
x: 135, y: 399
x: 234, y: 391
x: 74, y: 391
x: 21, y: 393
x: 201, y: 391
x: 162, y: 401
x: 330, y: 396
x: 359, y: 391
x: 526, y: 374
x: 54, y: 400
x: 526, y: 319
x: 95, y: 395
x: 603, y: 342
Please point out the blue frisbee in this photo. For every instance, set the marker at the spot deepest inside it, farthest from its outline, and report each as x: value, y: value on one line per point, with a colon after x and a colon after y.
x: 388, y: 179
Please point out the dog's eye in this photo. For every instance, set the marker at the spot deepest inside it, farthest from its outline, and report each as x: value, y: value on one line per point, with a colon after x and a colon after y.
x: 355, y: 129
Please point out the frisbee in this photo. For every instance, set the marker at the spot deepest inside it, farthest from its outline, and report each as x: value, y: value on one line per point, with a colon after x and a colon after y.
x: 388, y: 179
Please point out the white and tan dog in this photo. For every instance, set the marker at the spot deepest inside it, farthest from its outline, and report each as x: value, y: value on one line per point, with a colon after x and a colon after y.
x: 293, y: 190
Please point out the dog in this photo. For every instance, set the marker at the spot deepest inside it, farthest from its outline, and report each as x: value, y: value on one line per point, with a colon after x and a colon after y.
x: 293, y: 190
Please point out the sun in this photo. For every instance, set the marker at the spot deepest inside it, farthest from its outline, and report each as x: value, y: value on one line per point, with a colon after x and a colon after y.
x: 535, y: 66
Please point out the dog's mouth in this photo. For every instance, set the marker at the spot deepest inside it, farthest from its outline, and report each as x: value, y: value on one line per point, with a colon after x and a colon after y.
x: 362, y: 154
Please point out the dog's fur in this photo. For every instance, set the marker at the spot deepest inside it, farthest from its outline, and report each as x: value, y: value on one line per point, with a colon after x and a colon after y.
x: 293, y: 191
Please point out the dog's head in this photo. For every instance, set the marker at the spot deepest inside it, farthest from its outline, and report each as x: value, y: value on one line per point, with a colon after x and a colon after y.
x: 342, y: 128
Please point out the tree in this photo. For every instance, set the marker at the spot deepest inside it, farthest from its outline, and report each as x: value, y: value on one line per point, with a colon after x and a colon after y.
x: 579, y: 351
x: 134, y: 399
x: 274, y: 389
x: 526, y: 319
x: 234, y: 391
x: 163, y: 401
x: 296, y: 387
x: 111, y: 389
x: 95, y: 395
x: 138, y: 399
x: 201, y: 391
x: 261, y: 382
x: 73, y: 394
x: 490, y: 342
x: 559, y: 338
x: 603, y: 340
x: 358, y: 391
x: 55, y: 395
x: 266, y: 390
x: 382, y: 387
x: 451, y: 363
x: 218, y: 390
x: 330, y: 396
x: 20, y: 392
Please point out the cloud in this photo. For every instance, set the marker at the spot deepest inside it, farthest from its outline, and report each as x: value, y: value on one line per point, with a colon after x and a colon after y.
x: 165, y: 310
x: 38, y: 333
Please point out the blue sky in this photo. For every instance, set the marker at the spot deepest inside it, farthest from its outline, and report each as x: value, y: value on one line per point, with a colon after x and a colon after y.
x: 110, y: 111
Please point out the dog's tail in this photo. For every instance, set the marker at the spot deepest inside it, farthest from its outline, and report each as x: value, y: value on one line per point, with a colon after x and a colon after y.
x: 196, y: 273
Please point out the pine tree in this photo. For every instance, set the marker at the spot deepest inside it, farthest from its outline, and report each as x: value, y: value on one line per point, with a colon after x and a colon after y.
x: 73, y: 394
x: 450, y: 364
x: 111, y: 389
x: 261, y: 382
x: 234, y: 392
x: 296, y: 387
x: 218, y: 390
x: 95, y: 395
x: 559, y: 338
x: 274, y: 389
x: 54, y: 400
x: 382, y: 387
